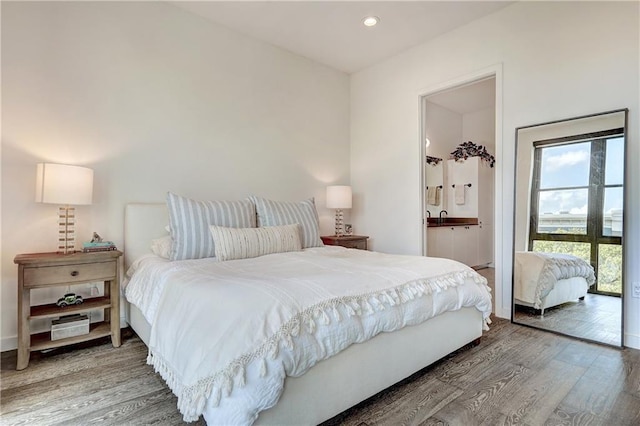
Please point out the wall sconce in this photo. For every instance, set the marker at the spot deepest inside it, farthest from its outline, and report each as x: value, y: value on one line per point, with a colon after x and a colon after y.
x: 66, y: 185
x: 339, y: 197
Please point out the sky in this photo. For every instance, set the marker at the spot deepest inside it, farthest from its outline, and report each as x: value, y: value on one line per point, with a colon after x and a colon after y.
x: 568, y: 166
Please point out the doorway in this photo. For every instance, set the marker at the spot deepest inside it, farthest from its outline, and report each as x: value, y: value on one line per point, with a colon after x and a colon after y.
x: 464, y: 112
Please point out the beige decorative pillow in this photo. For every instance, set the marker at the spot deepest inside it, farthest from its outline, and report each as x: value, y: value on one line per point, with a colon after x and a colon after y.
x: 244, y: 243
x: 162, y: 246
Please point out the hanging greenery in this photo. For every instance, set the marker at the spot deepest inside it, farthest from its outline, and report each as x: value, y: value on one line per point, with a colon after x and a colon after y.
x: 470, y: 149
x: 432, y: 161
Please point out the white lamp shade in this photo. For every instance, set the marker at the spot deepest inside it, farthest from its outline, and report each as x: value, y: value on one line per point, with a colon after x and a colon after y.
x: 339, y: 197
x: 63, y: 184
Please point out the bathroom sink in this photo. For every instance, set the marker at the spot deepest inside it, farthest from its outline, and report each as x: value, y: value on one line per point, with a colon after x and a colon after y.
x: 452, y: 221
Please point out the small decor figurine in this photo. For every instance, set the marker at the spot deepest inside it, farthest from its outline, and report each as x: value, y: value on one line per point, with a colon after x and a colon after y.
x: 470, y: 149
x: 432, y: 161
x: 69, y: 299
x: 96, y: 238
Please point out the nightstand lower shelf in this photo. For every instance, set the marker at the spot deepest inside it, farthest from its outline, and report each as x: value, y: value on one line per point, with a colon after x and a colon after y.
x: 42, y: 341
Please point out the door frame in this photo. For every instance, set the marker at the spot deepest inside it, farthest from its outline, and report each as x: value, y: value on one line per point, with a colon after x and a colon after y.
x: 502, y: 298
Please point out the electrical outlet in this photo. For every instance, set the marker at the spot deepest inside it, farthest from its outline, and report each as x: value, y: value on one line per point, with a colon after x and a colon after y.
x: 635, y: 289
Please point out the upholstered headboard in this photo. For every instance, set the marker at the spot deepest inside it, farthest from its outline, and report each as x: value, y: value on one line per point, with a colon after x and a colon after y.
x: 142, y: 223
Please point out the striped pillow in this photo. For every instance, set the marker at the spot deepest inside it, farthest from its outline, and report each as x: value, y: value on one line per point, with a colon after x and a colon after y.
x: 244, y: 243
x: 274, y: 213
x: 189, y: 221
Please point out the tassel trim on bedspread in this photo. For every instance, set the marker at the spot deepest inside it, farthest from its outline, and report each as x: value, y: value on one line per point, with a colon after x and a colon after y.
x: 556, y: 268
x: 192, y: 399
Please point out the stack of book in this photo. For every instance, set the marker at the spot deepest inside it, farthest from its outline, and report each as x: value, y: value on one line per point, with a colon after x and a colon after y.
x: 101, y: 246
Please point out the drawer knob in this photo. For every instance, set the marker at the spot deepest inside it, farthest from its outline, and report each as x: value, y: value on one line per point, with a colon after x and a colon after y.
x: 74, y: 273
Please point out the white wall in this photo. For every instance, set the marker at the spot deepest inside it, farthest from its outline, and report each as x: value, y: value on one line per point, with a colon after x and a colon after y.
x: 480, y: 128
x: 154, y: 99
x: 444, y: 129
x: 558, y: 60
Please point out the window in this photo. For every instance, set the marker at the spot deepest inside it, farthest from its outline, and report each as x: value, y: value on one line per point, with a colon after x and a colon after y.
x: 576, y: 200
x: 613, y: 178
x: 564, y: 188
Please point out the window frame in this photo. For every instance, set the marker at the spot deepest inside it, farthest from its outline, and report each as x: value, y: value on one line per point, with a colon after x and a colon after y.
x: 595, y: 192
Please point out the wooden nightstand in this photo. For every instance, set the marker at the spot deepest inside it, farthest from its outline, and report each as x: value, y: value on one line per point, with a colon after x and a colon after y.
x: 40, y: 270
x: 348, y: 241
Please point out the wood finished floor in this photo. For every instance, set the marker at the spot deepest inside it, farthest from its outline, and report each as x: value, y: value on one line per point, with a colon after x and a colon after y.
x: 516, y: 375
x: 597, y: 318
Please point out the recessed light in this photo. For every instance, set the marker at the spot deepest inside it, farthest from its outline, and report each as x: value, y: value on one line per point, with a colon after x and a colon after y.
x: 370, y: 21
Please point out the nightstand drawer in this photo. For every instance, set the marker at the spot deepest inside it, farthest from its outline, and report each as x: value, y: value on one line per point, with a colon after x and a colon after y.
x: 349, y: 241
x: 359, y: 244
x: 62, y: 274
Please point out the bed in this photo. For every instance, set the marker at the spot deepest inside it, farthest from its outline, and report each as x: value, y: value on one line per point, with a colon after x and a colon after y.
x: 545, y: 280
x: 333, y: 384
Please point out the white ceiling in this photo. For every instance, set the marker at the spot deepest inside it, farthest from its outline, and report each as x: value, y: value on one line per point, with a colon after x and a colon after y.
x: 331, y: 32
x: 469, y: 98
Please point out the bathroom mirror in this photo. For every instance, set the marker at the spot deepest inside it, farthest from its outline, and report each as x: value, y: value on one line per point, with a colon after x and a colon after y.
x: 568, y: 226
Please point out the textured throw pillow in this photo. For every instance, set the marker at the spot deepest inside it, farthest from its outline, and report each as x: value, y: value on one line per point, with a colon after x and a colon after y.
x: 274, y: 213
x: 162, y: 246
x: 189, y: 221
x: 245, y: 243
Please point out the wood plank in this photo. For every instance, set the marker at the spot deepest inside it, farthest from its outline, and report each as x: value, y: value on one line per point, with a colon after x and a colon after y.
x: 411, y: 405
x: 515, y: 375
x: 603, y: 381
x: 67, y: 360
x: 468, y: 370
x: 597, y: 318
x: 569, y: 416
x: 498, y: 385
x: 147, y: 409
x: 535, y: 400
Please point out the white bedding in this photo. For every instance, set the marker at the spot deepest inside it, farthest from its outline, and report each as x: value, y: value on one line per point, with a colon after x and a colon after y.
x: 536, y: 274
x: 245, y: 325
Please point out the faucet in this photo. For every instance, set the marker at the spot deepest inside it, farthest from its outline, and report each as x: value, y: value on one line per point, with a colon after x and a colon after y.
x: 428, y: 213
x: 440, y: 215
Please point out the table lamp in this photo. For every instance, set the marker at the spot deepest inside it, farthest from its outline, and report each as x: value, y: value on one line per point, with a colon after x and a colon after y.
x: 339, y: 197
x: 66, y: 185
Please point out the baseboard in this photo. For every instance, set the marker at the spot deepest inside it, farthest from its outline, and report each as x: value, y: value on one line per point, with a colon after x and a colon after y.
x: 631, y: 340
x: 8, y: 343
x: 502, y: 312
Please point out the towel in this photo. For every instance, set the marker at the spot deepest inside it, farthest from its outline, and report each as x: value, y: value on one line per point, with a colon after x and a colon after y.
x: 433, y: 195
x: 459, y: 193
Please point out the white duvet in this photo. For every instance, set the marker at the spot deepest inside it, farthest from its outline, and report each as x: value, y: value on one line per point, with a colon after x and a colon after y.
x: 225, y: 335
x: 537, y: 273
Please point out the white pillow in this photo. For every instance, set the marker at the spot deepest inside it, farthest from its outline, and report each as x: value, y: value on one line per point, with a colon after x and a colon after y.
x: 162, y: 246
x: 190, y: 220
x: 244, y: 243
x: 274, y: 213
